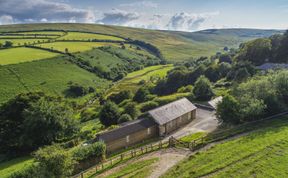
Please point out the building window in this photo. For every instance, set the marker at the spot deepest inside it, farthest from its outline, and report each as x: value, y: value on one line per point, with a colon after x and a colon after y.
x: 127, y: 138
x: 148, y: 131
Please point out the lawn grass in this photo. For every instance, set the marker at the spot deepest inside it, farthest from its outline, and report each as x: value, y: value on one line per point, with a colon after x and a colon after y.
x: 51, y: 76
x: 74, y: 47
x: 54, y: 33
x: 262, y: 153
x: 21, y: 42
x: 22, y: 54
x: 9, y: 167
x: 88, y: 36
x: 131, y: 81
x: 139, y: 169
x: 192, y: 137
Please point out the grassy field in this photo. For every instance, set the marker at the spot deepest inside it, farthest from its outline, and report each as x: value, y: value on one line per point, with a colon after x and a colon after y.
x: 36, y: 76
x: 88, y: 36
x: 14, y: 165
x: 74, y: 47
x: 174, y: 45
x: 21, y: 42
x: 195, y: 136
x: 260, y: 154
x: 33, y: 33
x: 131, y: 81
x: 22, y: 54
x: 139, y: 169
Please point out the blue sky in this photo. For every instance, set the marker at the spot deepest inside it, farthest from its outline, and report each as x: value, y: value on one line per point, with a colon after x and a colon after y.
x: 183, y: 15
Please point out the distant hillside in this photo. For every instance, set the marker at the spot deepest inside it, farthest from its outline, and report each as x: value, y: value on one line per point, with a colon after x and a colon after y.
x: 173, y: 45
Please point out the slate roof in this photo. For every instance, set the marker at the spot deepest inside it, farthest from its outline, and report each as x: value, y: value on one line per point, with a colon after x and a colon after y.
x: 171, y: 111
x: 125, y: 129
x: 268, y: 66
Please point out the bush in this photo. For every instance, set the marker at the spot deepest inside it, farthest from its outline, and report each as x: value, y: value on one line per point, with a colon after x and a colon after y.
x: 131, y: 109
x: 149, y: 105
x: 54, y: 161
x: 75, y: 90
x: 97, y: 149
x: 203, y: 89
x: 185, y: 89
x: 124, y: 118
x: 109, y: 114
x: 31, y: 171
x: 141, y: 94
x: 121, y: 96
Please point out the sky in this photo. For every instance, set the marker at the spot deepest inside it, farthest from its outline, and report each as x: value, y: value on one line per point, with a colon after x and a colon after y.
x: 177, y: 15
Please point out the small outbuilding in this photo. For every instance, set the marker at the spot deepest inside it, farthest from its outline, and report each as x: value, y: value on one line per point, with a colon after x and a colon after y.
x: 161, y: 121
x: 173, y: 115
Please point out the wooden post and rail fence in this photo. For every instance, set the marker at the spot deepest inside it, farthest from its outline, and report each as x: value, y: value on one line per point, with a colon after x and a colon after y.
x: 172, y: 142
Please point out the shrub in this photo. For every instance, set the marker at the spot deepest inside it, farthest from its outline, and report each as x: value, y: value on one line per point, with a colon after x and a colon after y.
x: 31, y: 171
x: 97, y: 149
x: 109, y: 114
x: 149, y: 105
x: 121, y: 96
x: 131, y: 109
x: 124, y: 118
x: 203, y: 89
x: 141, y: 94
x: 185, y: 89
x: 54, y: 161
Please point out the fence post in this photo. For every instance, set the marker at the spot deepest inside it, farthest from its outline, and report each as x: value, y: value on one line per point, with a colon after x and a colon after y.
x: 151, y: 147
x: 142, y: 150
x: 122, y: 157
x: 82, y: 175
x: 96, y: 169
x: 160, y: 144
x: 102, y: 166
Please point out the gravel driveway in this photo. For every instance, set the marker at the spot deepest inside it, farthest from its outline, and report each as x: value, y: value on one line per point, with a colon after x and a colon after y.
x: 205, y: 122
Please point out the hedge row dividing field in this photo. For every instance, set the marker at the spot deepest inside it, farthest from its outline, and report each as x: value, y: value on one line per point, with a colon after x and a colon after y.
x: 89, y: 36
x: 263, y: 153
x: 74, y: 47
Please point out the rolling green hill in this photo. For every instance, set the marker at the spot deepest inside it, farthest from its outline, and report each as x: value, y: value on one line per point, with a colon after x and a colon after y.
x: 173, y: 45
x: 262, y: 153
x: 50, y: 75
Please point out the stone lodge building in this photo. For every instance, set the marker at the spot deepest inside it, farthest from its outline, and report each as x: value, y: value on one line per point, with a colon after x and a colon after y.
x: 161, y: 121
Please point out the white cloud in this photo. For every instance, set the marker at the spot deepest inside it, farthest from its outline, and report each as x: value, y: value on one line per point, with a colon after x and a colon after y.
x: 140, y: 4
x: 188, y: 22
x: 36, y: 10
x: 118, y: 17
x: 6, y: 19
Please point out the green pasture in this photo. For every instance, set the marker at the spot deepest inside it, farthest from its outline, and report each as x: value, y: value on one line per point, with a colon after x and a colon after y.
x: 88, y: 36
x: 131, y: 81
x: 74, y: 47
x: 21, y: 42
x: 174, y: 46
x: 7, y: 168
x: 262, y: 153
x: 139, y: 169
x: 22, y: 54
x: 50, y: 76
